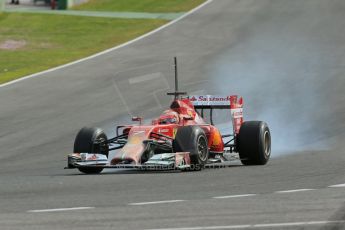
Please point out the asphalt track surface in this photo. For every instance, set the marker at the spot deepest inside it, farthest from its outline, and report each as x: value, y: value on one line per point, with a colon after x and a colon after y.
x: 287, y: 58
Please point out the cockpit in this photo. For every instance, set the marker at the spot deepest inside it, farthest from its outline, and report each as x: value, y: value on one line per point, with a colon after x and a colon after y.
x: 168, y: 117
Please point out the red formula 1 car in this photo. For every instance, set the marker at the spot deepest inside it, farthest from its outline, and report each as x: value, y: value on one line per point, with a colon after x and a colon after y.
x: 180, y: 138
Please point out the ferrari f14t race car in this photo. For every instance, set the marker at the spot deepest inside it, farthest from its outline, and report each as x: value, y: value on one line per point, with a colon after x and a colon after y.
x: 180, y: 139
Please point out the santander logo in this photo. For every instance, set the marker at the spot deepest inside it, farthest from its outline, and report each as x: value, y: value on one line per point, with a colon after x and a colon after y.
x: 193, y: 98
x: 209, y: 100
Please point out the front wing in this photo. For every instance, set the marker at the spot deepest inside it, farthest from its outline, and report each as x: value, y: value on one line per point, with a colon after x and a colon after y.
x: 164, y: 161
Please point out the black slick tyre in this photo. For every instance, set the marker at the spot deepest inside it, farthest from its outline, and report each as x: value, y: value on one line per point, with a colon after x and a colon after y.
x: 254, y: 143
x: 192, y: 139
x: 91, y: 140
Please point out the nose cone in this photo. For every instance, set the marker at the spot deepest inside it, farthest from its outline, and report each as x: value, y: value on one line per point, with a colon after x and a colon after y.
x: 134, y: 148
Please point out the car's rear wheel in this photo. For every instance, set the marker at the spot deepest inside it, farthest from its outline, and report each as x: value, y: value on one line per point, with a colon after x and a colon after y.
x: 91, y: 140
x: 192, y: 139
x: 254, y: 143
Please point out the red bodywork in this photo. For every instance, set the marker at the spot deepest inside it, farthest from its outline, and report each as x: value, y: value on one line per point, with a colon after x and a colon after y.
x: 186, y: 115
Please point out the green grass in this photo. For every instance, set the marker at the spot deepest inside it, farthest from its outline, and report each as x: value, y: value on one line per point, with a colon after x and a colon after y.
x: 52, y: 40
x: 153, y: 6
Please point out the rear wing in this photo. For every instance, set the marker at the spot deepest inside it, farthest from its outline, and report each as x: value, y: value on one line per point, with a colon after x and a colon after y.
x: 211, y: 102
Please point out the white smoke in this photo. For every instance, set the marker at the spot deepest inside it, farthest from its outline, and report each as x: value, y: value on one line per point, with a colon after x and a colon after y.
x: 282, y: 87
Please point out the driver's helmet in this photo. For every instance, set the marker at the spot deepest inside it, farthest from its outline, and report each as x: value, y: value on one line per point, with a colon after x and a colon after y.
x: 169, y: 117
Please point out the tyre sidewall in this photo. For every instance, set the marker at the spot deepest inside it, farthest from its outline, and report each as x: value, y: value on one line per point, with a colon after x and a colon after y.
x: 85, y: 143
x: 186, y: 140
x: 85, y: 139
x: 251, y: 143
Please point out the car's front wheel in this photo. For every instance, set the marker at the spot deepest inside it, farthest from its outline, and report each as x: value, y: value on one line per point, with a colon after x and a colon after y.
x: 91, y: 140
x: 192, y: 139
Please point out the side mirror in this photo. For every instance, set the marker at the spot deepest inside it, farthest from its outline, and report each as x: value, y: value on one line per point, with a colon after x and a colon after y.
x: 137, y: 119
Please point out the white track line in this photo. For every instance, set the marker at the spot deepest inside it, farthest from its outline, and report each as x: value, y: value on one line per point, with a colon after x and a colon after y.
x: 273, y: 225
x: 337, y: 186
x: 61, y: 209
x: 108, y: 50
x: 233, y: 196
x: 295, y: 190
x: 156, y: 202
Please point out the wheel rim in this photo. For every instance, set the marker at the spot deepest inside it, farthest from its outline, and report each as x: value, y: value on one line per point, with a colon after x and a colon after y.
x: 102, y: 146
x: 267, y: 144
x: 202, y: 148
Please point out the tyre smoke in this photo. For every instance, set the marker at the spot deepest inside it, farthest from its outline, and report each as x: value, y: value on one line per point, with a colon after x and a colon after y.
x: 289, y: 69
